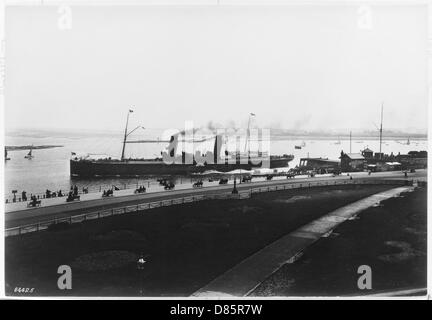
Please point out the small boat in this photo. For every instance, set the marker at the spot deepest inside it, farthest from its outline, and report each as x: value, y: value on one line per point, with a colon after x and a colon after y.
x: 297, y: 147
x: 29, y: 154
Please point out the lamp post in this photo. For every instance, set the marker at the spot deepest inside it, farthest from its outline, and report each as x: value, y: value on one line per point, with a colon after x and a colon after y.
x: 234, y: 190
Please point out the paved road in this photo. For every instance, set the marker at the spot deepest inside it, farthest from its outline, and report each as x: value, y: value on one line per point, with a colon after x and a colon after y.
x: 34, y: 215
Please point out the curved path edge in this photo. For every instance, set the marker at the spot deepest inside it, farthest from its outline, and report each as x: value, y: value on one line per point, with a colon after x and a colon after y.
x: 245, y: 277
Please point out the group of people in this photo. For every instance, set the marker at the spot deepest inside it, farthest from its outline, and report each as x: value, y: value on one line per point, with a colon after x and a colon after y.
x: 33, y: 198
x: 198, y: 184
x: 141, y: 189
x: 34, y: 201
x: 59, y: 193
x: 108, y: 193
x: 247, y: 178
x: 73, y: 191
x: 71, y: 197
x: 23, y: 196
x: 51, y: 194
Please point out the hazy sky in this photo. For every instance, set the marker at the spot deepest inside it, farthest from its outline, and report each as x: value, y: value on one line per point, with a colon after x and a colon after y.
x: 295, y: 67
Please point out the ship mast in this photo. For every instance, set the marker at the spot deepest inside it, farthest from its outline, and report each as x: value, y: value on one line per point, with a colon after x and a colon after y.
x: 126, y: 134
x: 382, y: 107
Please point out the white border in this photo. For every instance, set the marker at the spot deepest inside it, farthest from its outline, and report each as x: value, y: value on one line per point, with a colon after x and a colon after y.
x: 211, y: 3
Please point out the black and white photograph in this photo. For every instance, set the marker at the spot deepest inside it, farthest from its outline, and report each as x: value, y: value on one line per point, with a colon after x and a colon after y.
x: 215, y: 149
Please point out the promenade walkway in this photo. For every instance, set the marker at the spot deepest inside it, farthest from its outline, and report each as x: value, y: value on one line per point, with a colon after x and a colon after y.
x: 19, y: 215
x: 19, y: 206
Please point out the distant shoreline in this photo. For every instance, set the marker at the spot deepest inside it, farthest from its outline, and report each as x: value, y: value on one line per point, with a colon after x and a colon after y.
x: 345, y: 138
x: 15, y: 148
x: 275, y: 134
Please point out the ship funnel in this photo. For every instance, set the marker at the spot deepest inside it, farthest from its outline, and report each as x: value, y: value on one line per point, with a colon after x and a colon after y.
x: 217, y: 148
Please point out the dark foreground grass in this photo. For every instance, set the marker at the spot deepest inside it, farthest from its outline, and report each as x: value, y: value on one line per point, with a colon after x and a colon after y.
x: 390, y: 238
x: 189, y: 245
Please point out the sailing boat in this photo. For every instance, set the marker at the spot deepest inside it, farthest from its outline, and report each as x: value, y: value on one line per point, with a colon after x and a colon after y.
x: 29, y: 154
x: 338, y: 142
x: 6, y: 155
x: 408, y: 142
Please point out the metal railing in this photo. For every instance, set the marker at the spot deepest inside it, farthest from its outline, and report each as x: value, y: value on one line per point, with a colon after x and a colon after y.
x: 289, y: 186
x: 39, y: 226
x: 91, y: 189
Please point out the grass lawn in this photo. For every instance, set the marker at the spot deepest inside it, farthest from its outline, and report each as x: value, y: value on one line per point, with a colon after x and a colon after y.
x: 390, y: 238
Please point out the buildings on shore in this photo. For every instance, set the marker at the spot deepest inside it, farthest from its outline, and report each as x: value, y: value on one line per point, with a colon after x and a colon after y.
x: 320, y: 165
x: 367, y: 160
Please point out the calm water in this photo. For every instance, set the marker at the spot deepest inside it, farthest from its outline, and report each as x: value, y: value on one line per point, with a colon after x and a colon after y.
x: 49, y: 169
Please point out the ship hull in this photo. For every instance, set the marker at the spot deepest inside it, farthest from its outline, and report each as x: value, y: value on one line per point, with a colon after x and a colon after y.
x: 88, y: 168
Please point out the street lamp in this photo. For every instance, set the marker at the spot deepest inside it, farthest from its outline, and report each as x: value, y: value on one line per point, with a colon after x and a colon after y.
x: 234, y: 190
